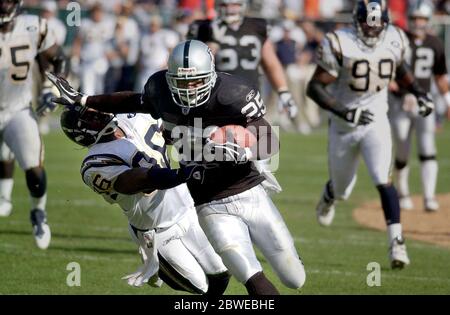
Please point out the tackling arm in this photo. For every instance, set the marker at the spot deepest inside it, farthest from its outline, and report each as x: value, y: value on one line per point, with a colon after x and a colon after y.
x: 143, y: 179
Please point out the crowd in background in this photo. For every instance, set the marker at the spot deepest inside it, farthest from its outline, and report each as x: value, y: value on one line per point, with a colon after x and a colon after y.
x: 120, y: 43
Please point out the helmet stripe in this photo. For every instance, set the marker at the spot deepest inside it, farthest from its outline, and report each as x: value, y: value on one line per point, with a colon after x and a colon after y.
x: 186, y: 54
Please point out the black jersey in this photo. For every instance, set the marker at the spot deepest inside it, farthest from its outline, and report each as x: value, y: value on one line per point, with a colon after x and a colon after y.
x: 239, y: 50
x: 427, y: 59
x: 232, y: 101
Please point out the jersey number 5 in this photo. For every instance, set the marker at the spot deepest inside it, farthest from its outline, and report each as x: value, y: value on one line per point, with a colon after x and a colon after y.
x: 20, y: 69
x: 361, y: 74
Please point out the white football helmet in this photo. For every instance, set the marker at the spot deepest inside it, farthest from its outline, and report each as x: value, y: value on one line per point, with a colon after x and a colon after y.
x: 191, y: 74
x: 231, y: 15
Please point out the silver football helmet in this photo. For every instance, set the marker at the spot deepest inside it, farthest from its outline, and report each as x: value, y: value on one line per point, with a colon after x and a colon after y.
x: 191, y: 74
x: 228, y: 14
x: 8, y: 10
x: 422, y: 9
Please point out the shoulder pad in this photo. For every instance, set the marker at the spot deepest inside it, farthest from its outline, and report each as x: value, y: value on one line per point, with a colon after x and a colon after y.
x: 245, y: 101
x: 335, y: 46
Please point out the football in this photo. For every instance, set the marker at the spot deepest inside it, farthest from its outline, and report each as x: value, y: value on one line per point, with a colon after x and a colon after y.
x: 235, y: 133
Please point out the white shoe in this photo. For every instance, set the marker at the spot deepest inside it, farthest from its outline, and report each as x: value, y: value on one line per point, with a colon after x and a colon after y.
x: 325, y: 211
x: 397, y: 254
x: 406, y: 203
x: 41, y: 230
x: 431, y: 205
x: 5, y: 208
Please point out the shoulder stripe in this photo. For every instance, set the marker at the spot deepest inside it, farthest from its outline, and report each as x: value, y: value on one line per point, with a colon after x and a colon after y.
x: 402, y: 36
x: 43, y: 33
x: 101, y: 160
x: 337, y: 51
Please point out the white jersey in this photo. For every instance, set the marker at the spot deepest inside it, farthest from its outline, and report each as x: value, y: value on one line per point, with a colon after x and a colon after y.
x: 363, y: 73
x: 142, y: 147
x: 18, y: 50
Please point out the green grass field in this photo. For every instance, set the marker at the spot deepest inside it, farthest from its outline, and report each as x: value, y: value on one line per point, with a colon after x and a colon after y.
x: 88, y: 231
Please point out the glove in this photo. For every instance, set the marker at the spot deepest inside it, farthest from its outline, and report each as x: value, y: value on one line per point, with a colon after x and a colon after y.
x: 358, y: 116
x: 45, y: 102
x: 231, y: 152
x: 426, y: 105
x: 287, y: 104
x: 68, y: 95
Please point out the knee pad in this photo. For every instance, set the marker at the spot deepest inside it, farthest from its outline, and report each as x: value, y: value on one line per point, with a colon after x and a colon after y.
x: 425, y: 158
x: 217, y: 284
x: 36, y: 182
x: 399, y: 165
x: 6, y: 169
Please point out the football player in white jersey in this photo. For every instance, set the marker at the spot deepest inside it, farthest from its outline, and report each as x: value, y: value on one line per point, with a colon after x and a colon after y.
x: 127, y: 165
x: 23, y: 38
x: 351, y: 81
x: 428, y: 61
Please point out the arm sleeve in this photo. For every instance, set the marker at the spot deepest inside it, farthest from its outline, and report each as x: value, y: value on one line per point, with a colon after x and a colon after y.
x: 117, y: 103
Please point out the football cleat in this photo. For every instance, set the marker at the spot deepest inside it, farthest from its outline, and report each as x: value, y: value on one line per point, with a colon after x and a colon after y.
x: 406, y: 203
x: 431, y: 205
x: 5, y: 207
x: 397, y: 254
x: 41, y: 230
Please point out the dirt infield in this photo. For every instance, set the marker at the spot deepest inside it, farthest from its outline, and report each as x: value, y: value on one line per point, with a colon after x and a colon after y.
x: 417, y: 224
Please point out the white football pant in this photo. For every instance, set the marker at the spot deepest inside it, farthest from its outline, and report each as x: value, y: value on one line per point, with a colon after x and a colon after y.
x: 233, y: 223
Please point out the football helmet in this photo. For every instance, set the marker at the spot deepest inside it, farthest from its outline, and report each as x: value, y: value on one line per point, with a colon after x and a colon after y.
x: 86, y: 126
x: 371, y: 20
x: 231, y: 15
x: 191, y: 74
x: 420, y: 10
x: 8, y: 10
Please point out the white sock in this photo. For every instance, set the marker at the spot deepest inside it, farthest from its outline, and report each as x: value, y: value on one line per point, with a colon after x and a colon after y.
x: 429, y: 171
x: 6, y: 187
x: 402, y: 181
x: 394, y: 231
x: 39, y: 203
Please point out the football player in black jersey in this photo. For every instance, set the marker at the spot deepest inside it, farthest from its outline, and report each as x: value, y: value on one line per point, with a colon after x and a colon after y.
x: 241, y: 45
x: 233, y: 208
x: 428, y: 62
